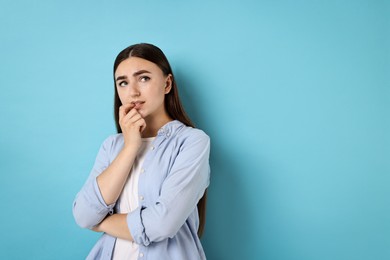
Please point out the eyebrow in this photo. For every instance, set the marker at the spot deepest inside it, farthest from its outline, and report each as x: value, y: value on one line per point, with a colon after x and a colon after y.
x: 121, y: 77
x: 140, y: 72
x: 134, y: 74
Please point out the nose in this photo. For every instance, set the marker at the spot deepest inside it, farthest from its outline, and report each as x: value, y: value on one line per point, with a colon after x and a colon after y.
x: 134, y: 90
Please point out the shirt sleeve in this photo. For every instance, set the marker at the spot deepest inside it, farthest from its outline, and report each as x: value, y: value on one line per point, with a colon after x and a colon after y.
x: 89, y: 208
x: 180, y: 194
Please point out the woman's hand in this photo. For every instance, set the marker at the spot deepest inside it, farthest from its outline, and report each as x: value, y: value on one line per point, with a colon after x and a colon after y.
x: 132, y: 125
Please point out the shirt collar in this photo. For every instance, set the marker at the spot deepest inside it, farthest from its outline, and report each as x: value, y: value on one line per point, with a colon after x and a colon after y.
x: 170, y: 128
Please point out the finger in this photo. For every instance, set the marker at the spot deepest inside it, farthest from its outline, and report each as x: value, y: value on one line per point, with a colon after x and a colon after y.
x: 141, y: 124
x: 126, y: 118
x: 124, y: 109
x: 136, y: 122
x: 132, y: 116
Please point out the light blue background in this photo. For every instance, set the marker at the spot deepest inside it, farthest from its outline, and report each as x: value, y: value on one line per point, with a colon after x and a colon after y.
x: 294, y: 94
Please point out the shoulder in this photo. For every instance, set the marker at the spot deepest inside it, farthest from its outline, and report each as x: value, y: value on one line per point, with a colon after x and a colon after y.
x: 189, y: 136
x: 193, y: 133
x: 112, y: 141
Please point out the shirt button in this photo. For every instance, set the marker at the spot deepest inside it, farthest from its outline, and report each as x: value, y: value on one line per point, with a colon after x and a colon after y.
x: 152, y: 148
x: 141, y: 255
x: 142, y: 170
x: 141, y: 197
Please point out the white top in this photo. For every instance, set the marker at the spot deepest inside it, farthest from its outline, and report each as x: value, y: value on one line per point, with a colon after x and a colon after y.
x: 128, y: 201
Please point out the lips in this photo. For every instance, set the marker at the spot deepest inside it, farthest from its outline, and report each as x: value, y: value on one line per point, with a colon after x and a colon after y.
x: 137, y: 104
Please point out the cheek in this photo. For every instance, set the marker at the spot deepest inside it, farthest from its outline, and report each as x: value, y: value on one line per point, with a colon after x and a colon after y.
x: 158, y: 93
x: 162, y: 94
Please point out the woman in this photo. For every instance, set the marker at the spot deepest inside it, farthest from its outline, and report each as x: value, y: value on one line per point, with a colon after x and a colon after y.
x: 147, y: 188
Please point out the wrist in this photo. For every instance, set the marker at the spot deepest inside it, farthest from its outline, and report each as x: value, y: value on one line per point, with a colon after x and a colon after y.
x: 98, y: 227
x: 130, y: 148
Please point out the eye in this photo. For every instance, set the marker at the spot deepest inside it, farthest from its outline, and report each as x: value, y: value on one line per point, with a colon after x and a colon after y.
x: 144, y: 78
x: 122, y: 84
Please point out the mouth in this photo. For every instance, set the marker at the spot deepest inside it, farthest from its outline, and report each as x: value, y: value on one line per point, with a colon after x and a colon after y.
x: 137, y: 104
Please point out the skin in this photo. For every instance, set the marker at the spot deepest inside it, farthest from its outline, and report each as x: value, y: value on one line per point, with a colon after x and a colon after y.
x: 141, y: 87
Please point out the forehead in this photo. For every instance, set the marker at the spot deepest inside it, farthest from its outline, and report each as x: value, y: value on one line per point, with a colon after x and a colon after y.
x: 134, y: 64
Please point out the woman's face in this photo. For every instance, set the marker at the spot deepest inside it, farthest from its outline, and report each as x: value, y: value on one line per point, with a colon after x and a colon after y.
x: 142, y: 83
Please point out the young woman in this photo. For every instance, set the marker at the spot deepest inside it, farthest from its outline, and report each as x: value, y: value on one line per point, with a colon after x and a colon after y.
x: 147, y: 188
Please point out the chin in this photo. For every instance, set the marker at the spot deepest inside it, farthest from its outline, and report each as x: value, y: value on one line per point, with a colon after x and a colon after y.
x: 142, y: 113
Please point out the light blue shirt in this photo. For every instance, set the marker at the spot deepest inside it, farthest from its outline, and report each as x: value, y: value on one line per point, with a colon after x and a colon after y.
x: 174, y: 176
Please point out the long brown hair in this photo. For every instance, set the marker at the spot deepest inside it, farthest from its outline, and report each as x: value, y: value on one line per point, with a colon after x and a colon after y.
x: 172, y: 101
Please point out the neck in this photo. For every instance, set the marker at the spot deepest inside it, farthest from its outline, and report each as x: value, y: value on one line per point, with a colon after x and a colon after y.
x: 154, y: 124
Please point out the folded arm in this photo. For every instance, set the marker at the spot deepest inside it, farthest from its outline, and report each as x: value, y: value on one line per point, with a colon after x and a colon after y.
x: 98, y: 196
x: 116, y: 226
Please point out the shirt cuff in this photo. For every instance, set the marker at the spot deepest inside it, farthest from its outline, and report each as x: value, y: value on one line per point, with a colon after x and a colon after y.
x: 102, y: 206
x: 136, y: 226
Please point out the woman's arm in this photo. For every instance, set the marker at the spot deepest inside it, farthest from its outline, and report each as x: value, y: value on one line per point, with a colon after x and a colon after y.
x: 89, y: 208
x: 116, y: 226
x: 95, y: 201
x: 113, y: 179
x: 98, y: 196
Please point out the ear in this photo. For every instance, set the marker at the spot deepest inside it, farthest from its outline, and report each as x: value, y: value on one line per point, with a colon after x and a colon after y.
x: 168, y: 83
